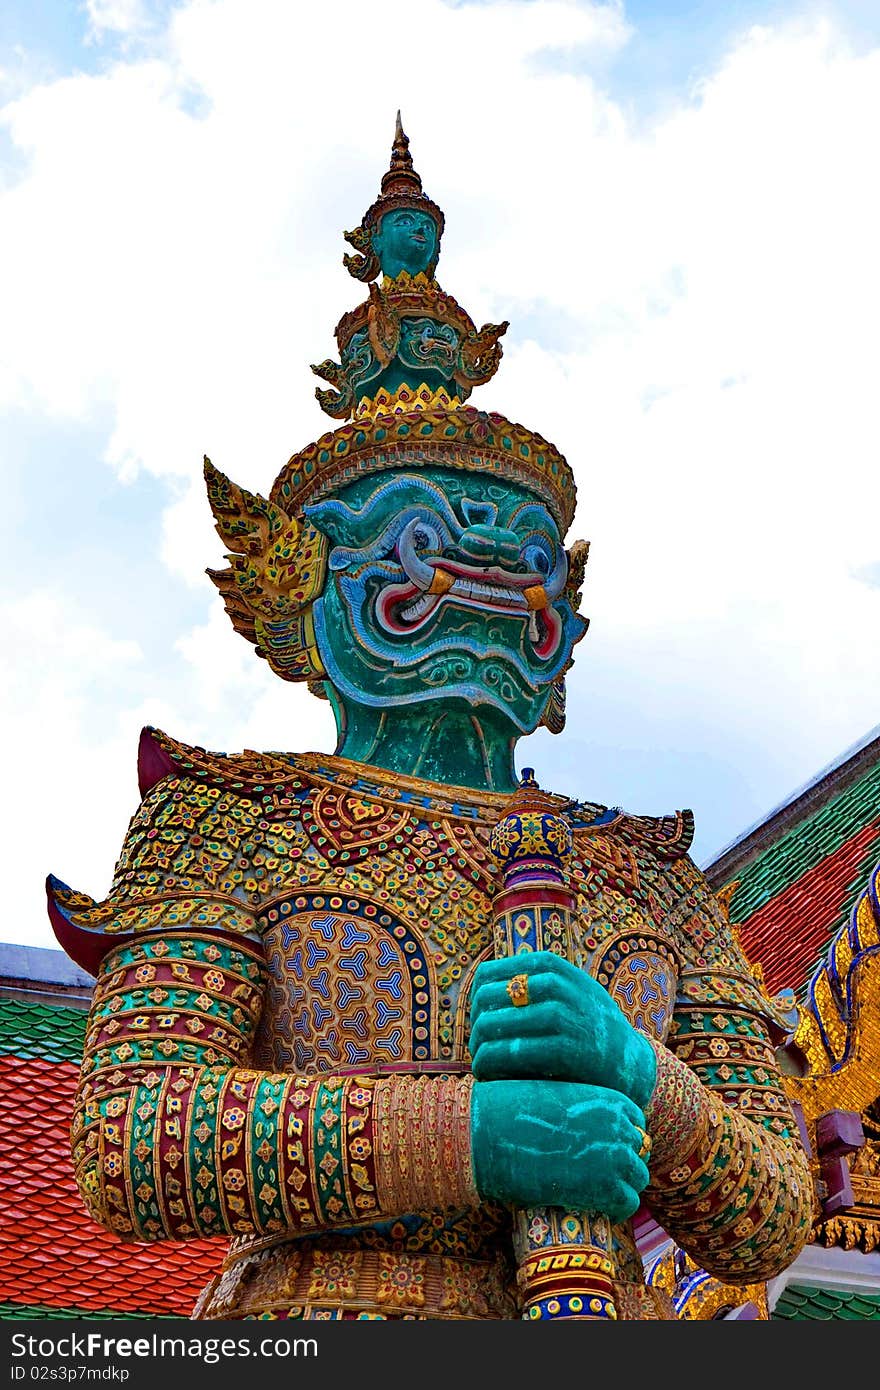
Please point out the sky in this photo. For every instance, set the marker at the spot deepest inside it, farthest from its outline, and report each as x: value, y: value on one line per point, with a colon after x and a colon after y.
x: 676, y: 206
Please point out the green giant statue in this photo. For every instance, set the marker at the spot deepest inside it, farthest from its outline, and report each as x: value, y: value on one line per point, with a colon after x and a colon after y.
x: 418, y: 1036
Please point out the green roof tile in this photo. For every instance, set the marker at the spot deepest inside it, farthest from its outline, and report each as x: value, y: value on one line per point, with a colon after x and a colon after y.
x: 807, y: 844
x: 799, y: 1301
x: 49, y: 1031
x: 24, y: 1310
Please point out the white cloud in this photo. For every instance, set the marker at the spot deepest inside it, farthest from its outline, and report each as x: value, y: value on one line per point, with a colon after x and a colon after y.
x: 69, y: 774
x: 233, y: 689
x: 702, y: 294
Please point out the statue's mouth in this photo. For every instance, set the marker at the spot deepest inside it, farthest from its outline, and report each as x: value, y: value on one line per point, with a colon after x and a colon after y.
x: 404, y: 609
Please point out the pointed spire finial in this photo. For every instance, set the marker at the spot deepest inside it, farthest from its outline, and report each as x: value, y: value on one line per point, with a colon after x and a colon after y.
x: 401, y: 177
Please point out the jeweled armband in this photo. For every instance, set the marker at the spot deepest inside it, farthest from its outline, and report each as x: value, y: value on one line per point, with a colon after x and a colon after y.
x: 423, y: 1151
x: 735, y: 1196
x: 164, y: 1009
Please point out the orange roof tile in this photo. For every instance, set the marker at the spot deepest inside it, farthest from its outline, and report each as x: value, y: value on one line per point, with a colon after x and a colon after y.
x: 52, y: 1254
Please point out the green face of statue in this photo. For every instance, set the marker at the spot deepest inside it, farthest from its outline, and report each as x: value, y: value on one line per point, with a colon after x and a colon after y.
x: 406, y: 240
x: 444, y: 587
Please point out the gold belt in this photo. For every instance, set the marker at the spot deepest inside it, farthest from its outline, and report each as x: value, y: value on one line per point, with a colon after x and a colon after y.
x: 307, y: 1282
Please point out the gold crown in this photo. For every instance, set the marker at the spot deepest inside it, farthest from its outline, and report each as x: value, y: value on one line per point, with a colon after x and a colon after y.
x: 448, y: 437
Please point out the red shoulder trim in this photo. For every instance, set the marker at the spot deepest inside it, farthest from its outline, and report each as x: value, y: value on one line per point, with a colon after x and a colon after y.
x: 154, y: 762
x: 86, y: 948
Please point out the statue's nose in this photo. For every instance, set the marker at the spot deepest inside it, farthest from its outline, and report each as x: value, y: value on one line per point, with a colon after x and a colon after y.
x: 490, y: 545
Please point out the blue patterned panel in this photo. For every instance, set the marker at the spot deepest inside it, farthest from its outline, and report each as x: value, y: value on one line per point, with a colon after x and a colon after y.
x: 640, y: 974
x: 349, y: 986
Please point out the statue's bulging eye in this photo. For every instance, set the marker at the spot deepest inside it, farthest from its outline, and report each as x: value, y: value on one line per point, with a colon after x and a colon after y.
x: 537, y: 558
x: 426, y: 538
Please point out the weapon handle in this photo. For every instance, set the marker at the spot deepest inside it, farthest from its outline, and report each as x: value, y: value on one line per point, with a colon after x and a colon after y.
x: 565, y: 1266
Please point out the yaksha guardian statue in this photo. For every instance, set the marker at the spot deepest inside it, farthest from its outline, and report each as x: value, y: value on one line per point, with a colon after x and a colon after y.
x: 419, y: 1036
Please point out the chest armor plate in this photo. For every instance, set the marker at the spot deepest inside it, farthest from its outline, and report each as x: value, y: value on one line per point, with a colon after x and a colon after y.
x: 350, y: 986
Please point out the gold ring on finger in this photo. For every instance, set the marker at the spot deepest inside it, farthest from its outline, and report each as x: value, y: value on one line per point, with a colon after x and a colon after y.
x: 518, y: 989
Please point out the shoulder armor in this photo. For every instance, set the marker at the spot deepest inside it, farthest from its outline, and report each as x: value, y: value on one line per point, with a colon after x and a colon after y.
x: 717, y: 970
x: 86, y: 929
x: 667, y: 837
x: 738, y: 988
x: 160, y: 755
x: 79, y: 923
x: 175, y: 872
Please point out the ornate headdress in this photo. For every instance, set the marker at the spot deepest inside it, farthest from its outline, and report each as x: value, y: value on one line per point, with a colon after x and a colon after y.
x: 278, y: 559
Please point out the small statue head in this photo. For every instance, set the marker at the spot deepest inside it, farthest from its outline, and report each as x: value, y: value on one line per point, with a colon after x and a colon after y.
x: 401, y: 231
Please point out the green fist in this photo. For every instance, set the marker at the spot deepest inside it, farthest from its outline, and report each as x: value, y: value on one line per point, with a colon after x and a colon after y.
x: 570, y: 1029
x: 560, y: 1144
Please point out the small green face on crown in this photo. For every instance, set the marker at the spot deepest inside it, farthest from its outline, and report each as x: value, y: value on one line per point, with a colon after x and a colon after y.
x: 406, y: 240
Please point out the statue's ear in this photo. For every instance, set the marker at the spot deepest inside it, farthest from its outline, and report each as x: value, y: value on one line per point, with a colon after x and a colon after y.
x: 364, y: 265
x: 553, y: 717
x: 578, y: 554
x: 277, y: 568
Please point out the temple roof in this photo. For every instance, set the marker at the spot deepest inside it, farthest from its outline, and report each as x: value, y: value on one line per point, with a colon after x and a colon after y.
x: 38, y: 972
x: 57, y: 1262
x: 826, y: 784
x: 800, y: 871
x: 799, y: 1301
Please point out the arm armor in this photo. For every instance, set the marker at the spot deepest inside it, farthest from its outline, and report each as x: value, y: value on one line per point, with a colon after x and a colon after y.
x: 174, y: 1137
x: 729, y: 1183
